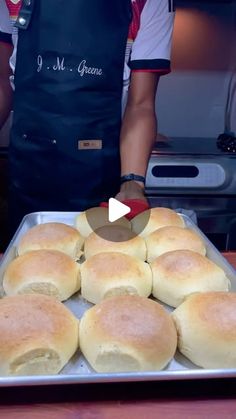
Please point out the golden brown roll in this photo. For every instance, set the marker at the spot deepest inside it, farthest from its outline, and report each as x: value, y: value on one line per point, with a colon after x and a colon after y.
x: 88, y: 221
x: 179, y: 273
x: 38, y: 335
x: 148, y: 221
x: 108, y: 274
x: 166, y: 239
x: 114, y: 239
x: 206, y: 325
x: 127, y: 333
x: 48, y: 272
x: 56, y: 236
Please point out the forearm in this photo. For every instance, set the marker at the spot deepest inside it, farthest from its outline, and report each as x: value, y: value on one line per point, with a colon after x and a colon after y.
x: 137, y: 138
x: 138, y: 132
x: 5, y: 100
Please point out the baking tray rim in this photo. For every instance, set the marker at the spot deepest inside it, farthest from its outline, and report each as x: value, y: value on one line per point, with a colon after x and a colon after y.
x: 93, y: 378
x: 96, y: 378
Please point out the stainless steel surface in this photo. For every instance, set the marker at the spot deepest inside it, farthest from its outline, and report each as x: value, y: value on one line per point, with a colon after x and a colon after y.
x: 204, y: 174
x: 191, y: 166
x: 78, y: 370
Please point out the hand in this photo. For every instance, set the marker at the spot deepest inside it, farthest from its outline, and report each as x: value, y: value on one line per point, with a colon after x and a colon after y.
x: 131, y: 190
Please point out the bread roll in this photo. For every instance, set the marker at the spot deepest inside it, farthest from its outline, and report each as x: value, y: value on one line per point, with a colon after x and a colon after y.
x: 170, y: 238
x: 48, y: 272
x: 108, y: 274
x: 148, y: 221
x: 179, y: 273
x: 127, y: 333
x: 206, y: 325
x: 88, y: 221
x: 38, y: 335
x: 114, y: 239
x: 57, y: 236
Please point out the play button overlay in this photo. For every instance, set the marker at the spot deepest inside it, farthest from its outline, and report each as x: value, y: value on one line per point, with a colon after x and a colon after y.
x: 110, y: 222
x: 98, y: 217
x: 117, y: 210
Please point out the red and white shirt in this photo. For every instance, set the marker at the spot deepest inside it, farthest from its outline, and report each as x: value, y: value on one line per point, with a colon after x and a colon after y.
x: 149, y: 40
x: 9, y: 10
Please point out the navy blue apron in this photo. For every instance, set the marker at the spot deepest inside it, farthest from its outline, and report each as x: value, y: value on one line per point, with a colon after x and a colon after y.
x: 64, y: 151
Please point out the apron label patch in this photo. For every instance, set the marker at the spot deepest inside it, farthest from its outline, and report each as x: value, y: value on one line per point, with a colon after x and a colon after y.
x: 82, y: 68
x: 89, y: 144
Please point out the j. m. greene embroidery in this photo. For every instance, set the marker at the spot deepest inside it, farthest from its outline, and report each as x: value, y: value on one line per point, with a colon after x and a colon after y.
x: 82, y: 68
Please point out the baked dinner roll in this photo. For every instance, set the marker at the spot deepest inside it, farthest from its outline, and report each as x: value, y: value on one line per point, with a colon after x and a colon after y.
x: 38, y: 335
x: 179, y: 273
x: 48, y: 272
x: 88, y: 221
x: 114, y: 239
x: 57, y: 236
x: 206, y: 325
x: 107, y: 274
x: 127, y: 333
x: 170, y: 238
x: 155, y: 218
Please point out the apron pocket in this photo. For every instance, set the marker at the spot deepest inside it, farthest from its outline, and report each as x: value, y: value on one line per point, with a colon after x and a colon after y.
x: 34, y: 165
x: 82, y: 172
x: 92, y: 174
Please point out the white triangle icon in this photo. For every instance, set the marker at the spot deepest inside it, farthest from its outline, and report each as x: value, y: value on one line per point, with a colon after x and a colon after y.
x: 116, y: 210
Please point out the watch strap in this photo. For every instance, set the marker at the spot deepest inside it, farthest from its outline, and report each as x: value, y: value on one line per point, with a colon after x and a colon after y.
x: 132, y: 176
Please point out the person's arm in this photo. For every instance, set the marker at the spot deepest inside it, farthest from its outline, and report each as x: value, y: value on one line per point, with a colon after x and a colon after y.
x: 149, y: 59
x: 5, y: 87
x: 138, y: 131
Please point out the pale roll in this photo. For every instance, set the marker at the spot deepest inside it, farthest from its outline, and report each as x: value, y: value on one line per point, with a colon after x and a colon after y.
x: 88, y: 221
x: 114, y: 239
x: 158, y: 217
x: 206, y: 325
x: 166, y: 239
x: 38, y: 335
x: 56, y: 236
x: 127, y: 333
x: 107, y: 274
x: 48, y: 272
x: 179, y: 273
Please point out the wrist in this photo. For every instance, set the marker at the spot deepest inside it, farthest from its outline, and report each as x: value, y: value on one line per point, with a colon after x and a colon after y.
x: 132, y: 186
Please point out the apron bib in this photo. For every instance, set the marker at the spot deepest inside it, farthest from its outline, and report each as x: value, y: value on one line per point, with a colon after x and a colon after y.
x: 64, y: 151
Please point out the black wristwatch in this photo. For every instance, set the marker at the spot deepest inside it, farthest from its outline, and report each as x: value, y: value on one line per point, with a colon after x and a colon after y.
x: 132, y: 176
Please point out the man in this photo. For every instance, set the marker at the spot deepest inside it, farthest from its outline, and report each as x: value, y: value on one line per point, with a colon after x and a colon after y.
x: 68, y: 147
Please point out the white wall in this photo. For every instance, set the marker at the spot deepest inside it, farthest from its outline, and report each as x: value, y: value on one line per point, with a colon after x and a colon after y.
x: 191, y: 101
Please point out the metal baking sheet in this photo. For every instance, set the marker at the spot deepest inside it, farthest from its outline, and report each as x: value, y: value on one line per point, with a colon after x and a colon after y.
x: 78, y: 369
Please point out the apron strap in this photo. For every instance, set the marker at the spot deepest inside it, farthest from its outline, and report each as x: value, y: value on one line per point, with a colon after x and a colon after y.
x: 25, y: 14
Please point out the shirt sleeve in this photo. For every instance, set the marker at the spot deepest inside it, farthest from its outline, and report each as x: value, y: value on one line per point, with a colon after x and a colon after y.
x: 151, y: 49
x: 5, y: 23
